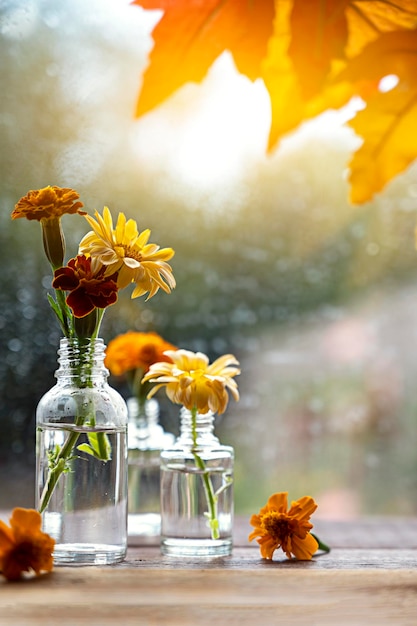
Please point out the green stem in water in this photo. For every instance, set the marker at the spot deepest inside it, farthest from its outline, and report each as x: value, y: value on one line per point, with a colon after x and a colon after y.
x: 208, y: 487
x: 59, y: 464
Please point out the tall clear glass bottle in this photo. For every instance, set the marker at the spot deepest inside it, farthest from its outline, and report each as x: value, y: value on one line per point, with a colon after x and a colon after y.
x: 197, y: 491
x: 81, y: 469
x: 146, y: 440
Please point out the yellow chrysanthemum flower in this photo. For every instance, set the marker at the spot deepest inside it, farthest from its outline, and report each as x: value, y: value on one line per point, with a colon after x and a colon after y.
x: 275, y: 527
x: 191, y: 381
x: 124, y: 250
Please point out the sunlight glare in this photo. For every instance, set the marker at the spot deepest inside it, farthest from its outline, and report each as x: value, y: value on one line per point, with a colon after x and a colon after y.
x: 213, y: 129
x: 230, y: 126
x: 388, y: 82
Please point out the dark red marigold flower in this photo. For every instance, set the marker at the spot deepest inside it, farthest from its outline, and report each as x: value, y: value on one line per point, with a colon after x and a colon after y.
x: 88, y: 286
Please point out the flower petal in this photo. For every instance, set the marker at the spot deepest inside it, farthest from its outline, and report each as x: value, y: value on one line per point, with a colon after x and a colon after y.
x: 303, y: 549
x: 6, y: 537
x: 278, y: 502
x: 25, y: 520
x: 303, y: 508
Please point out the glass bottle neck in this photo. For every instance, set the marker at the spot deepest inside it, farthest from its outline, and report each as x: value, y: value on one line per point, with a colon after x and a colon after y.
x: 144, y: 414
x: 144, y: 431
x: 197, y: 429
x: 81, y: 361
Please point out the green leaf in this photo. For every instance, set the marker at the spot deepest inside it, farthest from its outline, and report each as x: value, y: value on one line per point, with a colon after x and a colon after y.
x: 56, y: 309
x: 98, y: 446
x: 84, y: 447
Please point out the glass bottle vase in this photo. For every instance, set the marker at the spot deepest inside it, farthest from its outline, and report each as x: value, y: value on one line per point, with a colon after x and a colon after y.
x: 146, y: 439
x: 197, y: 491
x: 81, y: 450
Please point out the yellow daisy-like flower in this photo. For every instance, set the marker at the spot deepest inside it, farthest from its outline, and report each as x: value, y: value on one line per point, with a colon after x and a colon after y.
x: 191, y: 381
x: 124, y: 250
x: 275, y: 527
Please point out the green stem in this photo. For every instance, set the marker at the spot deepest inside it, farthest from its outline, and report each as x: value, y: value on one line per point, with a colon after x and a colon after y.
x: 60, y: 298
x: 208, y: 487
x: 60, y: 464
x: 100, y: 314
x: 102, y: 439
x: 58, y: 469
x: 102, y: 442
x: 322, y: 545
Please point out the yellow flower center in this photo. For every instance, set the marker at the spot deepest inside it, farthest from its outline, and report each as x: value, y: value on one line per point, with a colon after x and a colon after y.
x: 196, y: 374
x: 123, y: 250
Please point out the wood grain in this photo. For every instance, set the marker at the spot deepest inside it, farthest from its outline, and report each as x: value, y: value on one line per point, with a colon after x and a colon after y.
x: 185, y: 597
x: 369, y: 578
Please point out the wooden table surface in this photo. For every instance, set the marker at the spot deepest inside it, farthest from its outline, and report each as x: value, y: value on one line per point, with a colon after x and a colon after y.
x: 368, y: 578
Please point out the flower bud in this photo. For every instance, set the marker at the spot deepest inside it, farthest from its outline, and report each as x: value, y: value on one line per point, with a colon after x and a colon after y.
x: 53, y: 241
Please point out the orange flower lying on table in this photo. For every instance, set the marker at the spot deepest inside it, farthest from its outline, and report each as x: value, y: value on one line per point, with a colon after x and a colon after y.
x: 275, y: 527
x: 23, y: 546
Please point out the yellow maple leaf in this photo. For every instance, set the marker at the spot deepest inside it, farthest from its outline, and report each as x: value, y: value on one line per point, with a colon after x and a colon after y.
x: 319, y: 34
x: 388, y: 124
x: 311, y: 45
x: 306, y: 47
x: 368, y: 19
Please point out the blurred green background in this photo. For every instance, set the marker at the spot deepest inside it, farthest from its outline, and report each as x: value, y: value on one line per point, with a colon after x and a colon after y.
x: 315, y: 297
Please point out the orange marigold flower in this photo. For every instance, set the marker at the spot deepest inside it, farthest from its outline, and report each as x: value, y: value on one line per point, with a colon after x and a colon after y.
x: 136, y: 350
x: 47, y: 203
x: 23, y: 546
x: 88, y: 286
x: 275, y: 527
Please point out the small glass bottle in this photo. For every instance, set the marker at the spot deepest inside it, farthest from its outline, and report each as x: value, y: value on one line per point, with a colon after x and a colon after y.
x: 146, y: 439
x: 81, y: 469
x: 197, y: 491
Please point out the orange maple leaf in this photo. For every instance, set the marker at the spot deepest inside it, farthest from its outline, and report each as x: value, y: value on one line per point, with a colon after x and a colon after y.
x: 191, y: 35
